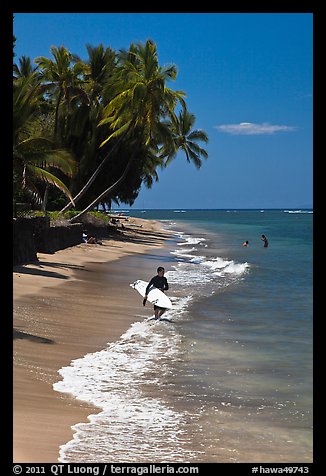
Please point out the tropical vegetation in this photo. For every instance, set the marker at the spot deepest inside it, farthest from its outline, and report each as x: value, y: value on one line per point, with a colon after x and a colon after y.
x: 93, y: 131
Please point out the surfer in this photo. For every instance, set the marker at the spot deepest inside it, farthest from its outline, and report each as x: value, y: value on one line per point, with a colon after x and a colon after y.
x: 160, y: 282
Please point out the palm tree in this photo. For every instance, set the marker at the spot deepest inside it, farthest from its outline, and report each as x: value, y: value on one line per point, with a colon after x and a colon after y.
x: 139, y: 101
x: 185, y: 139
x: 85, y: 118
x: 141, y: 98
x: 100, y: 66
x: 32, y: 153
x: 32, y: 159
x: 25, y: 68
x: 62, y: 78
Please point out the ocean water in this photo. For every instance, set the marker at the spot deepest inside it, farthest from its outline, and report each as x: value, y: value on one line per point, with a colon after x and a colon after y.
x: 226, y: 376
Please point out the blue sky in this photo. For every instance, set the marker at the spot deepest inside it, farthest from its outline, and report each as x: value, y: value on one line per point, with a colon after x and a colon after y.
x: 248, y: 80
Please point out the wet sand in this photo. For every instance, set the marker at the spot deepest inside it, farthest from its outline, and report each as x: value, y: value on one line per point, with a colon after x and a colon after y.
x: 66, y: 305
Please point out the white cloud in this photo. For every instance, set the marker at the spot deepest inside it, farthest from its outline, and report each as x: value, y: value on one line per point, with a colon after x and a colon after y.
x: 249, y: 128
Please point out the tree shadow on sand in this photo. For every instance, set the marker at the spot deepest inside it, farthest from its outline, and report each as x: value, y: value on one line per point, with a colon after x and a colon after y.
x: 23, y: 335
x: 39, y: 271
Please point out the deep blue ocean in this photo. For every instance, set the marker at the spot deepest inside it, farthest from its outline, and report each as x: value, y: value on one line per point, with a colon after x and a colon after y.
x: 226, y: 376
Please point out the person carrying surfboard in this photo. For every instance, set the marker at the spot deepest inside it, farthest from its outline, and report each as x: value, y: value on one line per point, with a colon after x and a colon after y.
x: 161, y: 283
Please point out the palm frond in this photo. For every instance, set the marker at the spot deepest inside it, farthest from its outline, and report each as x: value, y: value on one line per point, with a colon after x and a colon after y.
x: 47, y: 177
x: 198, y: 135
x: 116, y: 133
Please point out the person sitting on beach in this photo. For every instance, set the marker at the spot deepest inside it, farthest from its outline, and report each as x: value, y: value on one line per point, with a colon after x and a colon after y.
x: 92, y: 240
x: 265, y: 240
x: 160, y: 282
x: 246, y: 243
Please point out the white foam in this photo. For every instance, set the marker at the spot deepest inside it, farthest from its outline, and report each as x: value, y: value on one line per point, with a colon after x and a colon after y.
x: 186, y: 275
x: 198, y: 269
x: 191, y: 240
x: 298, y: 211
x: 131, y: 426
x: 126, y: 380
x: 228, y: 267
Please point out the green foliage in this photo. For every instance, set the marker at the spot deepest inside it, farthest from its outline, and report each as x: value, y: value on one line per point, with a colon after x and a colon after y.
x: 93, y: 217
x: 97, y: 129
x: 35, y: 154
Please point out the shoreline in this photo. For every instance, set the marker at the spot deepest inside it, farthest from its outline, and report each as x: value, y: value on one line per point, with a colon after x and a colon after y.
x: 66, y: 305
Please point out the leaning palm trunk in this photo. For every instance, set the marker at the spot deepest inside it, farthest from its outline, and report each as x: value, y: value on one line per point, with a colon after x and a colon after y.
x: 104, y: 194
x: 81, y: 193
x: 45, y: 198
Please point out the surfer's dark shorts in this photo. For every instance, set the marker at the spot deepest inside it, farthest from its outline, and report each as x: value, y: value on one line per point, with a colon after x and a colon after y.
x: 158, y: 308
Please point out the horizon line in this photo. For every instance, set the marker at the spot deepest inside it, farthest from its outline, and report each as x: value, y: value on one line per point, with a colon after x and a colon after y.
x: 226, y: 208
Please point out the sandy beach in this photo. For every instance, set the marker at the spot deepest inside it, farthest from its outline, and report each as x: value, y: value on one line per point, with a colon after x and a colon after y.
x: 66, y: 305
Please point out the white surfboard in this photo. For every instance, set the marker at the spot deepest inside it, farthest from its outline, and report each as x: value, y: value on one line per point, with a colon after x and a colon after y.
x: 155, y: 296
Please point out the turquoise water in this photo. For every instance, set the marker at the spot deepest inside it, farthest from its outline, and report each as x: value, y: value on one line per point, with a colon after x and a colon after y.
x: 228, y: 376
